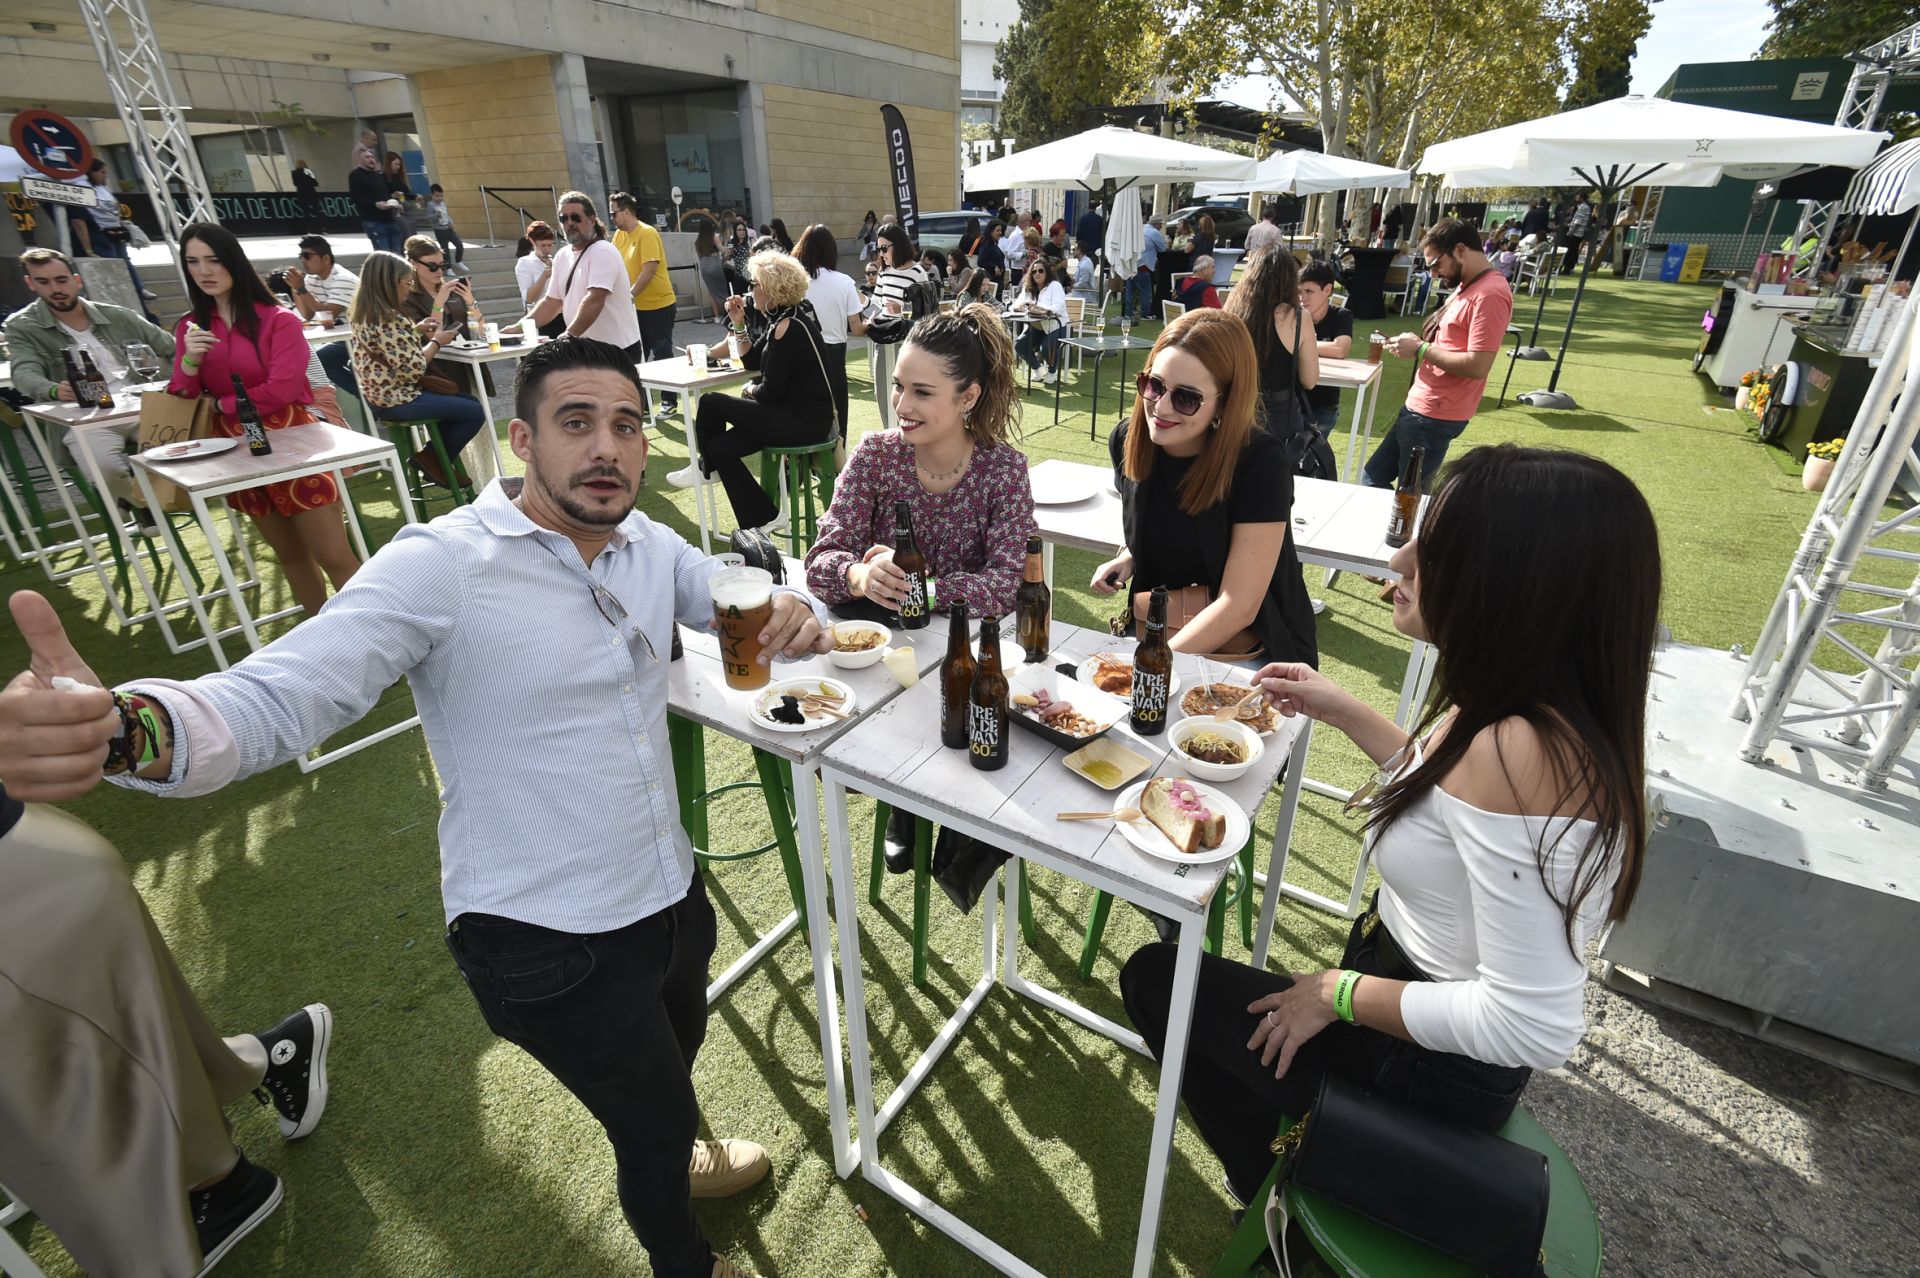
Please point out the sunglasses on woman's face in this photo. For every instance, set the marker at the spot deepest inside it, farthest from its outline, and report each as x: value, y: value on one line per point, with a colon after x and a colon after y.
x: 1186, y: 400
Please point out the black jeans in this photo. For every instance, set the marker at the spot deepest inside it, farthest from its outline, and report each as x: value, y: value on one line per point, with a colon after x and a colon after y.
x: 1237, y: 1103
x: 656, y: 342
x: 617, y: 1017
x: 450, y: 242
x: 731, y: 429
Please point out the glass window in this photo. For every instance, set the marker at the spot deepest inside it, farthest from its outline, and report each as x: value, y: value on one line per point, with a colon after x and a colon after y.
x: 689, y: 140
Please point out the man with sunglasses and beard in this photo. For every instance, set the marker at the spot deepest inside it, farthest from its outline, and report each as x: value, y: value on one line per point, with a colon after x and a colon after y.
x: 574, y: 909
x: 1454, y: 353
x: 589, y: 283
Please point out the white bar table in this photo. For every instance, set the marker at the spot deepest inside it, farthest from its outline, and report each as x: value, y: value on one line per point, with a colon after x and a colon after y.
x: 315, y: 448
x: 697, y: 691
x: 1363, y: 378
x: 677, y: 376
x: 40, y: 420
x: 484, y: 459
x: 1337, y: 526
x: 896, y: 756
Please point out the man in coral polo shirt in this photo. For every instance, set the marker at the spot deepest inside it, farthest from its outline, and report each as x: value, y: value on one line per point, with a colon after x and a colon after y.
x: 1455, y: 352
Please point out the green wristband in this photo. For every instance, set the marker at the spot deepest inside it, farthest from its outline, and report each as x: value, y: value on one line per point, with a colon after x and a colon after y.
x: 150, y: 748
x: 1343, y: 995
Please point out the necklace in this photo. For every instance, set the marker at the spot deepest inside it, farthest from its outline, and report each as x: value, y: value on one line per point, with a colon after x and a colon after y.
x: 941, y: 477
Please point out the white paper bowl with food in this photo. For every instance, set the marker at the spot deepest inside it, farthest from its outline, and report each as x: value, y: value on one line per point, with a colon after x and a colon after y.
x: 1216, y: 742
x: 858, y: 644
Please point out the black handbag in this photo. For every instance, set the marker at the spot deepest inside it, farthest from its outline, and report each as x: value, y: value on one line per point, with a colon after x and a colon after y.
x: 1290, y: 420
x: 759, y: 551
x: 1463, y: 1192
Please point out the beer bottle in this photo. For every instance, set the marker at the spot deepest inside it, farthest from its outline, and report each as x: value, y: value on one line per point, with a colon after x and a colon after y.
x: 1152, y: 669
x: 987, y: 708
x: 956, y: 679
x: 1406, y: 498
x: 76, y: 380
x: 1033, y: 606
x: 100, y: 397
x: 250, y: 423
x: 908, y: 559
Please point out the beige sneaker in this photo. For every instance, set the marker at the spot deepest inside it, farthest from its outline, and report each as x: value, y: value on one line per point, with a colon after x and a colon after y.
x: 724, y: 1268
x: 721, y: 1168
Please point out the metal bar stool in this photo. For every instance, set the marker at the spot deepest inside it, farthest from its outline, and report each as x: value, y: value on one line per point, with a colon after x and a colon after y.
x: 402, y: 436
x: 686, y: 744
x: 786, y: 474
x: 923, y: 883
x: 1241, y: 895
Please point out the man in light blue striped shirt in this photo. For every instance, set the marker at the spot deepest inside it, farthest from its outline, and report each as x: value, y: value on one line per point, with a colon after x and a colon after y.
x: 533, y: 627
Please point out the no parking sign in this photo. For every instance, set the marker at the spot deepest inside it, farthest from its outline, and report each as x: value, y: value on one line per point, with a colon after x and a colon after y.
x: 51, y: 143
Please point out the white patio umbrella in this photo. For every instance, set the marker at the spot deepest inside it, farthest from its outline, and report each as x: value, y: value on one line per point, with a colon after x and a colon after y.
x: 1635, y: 141
x: 1308, y: 173
x: 1126, y: 238
x: 1108, y: 160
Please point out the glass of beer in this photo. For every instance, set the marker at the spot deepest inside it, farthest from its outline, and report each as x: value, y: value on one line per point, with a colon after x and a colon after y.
x: 1376, y: 347
x: 742, y: 607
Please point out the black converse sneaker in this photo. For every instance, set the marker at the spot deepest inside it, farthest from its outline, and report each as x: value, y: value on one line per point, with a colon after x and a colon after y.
x: 296, y: 1081
x: 226, y: 1212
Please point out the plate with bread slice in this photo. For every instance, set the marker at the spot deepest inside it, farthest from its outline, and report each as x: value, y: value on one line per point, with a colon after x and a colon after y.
x: 1184, y: 820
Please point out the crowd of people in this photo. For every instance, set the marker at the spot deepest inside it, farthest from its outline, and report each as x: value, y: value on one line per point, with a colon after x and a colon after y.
x: 1509, y: 827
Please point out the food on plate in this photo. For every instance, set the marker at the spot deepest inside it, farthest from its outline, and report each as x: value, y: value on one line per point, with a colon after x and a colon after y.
x: 855, y: 639
x: 1214, y: 747
x: 1113, y: 673
x: 1177, y: 811
x: 823, y: 702
x: 1101, y: 773
x: 786, y: 710
x: 1210, y: 698
x: 1058, y: 715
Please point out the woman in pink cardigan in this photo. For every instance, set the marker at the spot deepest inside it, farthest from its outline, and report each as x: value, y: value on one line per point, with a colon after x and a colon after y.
x: 236, y: 327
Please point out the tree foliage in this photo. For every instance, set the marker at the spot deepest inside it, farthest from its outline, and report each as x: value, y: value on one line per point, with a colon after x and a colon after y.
x: 1064, y: 59
x: 1601, y: 42
x: 1834, y: 28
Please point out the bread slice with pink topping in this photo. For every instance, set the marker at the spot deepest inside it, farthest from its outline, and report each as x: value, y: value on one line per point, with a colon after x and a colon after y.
x: 1180, y: 813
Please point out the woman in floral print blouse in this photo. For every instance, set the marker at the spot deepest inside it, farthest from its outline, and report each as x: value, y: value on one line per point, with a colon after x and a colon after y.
x: 952, y: 460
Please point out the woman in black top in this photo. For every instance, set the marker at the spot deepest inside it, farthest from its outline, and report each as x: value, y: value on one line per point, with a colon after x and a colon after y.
x: 1267, y: 301
x: 1207, y: 499
x: 991, y: 261
x: 1203, y: 238
x: 791, y: 403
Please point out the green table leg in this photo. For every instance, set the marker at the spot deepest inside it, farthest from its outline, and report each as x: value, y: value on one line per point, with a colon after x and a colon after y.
x: 780, y: 811
x: 1096, y: 926
x: 1026, y: 903
x: 688, y: 750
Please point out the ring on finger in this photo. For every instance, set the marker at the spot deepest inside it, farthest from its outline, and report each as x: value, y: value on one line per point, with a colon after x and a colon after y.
x: 1270, y: 1021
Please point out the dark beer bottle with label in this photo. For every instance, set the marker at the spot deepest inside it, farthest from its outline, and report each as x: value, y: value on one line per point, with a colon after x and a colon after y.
x: 1406, y: 498
x: 1152, y: 669
x: 908, y: 559
x: 956, y: 679
x: 250, y: 424
x: 1033, y: 606
x: 987, y: 708
x: 76, y: 380
x: 98, y: 395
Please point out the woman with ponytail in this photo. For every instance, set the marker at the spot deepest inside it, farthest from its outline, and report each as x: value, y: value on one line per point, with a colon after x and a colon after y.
x: 951, y: 459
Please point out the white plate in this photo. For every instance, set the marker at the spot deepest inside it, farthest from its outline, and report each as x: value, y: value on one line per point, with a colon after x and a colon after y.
x: 1146, y: 836
x: 770, y: 695
x: 1085, y: 675
x: 1061, y: 487
x: 190, y: 449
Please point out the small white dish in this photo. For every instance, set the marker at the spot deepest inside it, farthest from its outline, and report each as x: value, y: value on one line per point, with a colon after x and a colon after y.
x: 769, y: 697
x: 192, y: 449
x: 1091, y: 664
x: 1185, y: 730
x: 865, y: 657
x: 1057, y: 487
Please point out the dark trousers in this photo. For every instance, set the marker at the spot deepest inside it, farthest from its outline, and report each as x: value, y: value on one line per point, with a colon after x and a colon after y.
x: 1035, y: 346
x: 460, y: 416
x: 385, y: 233
x: 617, y: 1017
x: 1236, y: 1102
x: 336, y: 360
x: 731, y: 429
x: 448, y: 236
x: 1411, y: 430
x: 1570, y: 262
x: 656, y: 342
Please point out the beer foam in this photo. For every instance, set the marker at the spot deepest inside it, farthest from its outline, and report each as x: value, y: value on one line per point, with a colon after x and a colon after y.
x: 742, y: 588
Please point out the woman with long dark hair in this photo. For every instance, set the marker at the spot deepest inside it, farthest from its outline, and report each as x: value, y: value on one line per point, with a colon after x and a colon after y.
x: 869, y: 235
x: 712, y: 267
x: 1206, y: 501
x: 1509, y: 828
x: 235, y: 327
x: 900, y: 272
x: 780, y: 236
x: 1044, y: 302
x: 394, y: 171
x: 837, y: 306
x: 1267, y: 301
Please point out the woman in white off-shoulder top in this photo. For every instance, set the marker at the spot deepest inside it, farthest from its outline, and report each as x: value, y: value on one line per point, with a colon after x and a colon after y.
x: 1507, y: 830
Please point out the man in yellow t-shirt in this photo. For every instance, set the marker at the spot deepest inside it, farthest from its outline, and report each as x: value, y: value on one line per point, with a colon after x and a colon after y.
x: 646, y: 258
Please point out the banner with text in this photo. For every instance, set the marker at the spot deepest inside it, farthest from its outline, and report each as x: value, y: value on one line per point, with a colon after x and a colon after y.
x: 906, y: 200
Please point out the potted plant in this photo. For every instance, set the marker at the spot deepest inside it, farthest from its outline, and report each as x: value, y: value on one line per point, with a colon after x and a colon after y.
x: 1741, y: 396
x: 1820, y: 461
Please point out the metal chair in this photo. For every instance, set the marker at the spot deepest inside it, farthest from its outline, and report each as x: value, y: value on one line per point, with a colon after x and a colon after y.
x: 14, y: 1261
x: 1171, y: 311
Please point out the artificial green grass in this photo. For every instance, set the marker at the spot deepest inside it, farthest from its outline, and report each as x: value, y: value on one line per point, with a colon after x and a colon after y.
x: 447, y: 1152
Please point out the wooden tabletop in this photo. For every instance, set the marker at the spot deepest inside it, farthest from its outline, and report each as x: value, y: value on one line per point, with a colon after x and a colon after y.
x: 126, y: 408
x: 1349, y: 374
x: 898, y: 748
x: 481, y: 353
x: 297, y: 450
x: 677, y: 374
x: 1335, y: 525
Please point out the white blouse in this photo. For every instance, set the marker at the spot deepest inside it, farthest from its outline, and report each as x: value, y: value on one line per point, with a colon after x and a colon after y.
x: 1461, y: 893
x: 1052, y: 298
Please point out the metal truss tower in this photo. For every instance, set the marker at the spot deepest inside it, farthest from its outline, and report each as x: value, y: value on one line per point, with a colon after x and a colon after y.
x: 1874, y: 68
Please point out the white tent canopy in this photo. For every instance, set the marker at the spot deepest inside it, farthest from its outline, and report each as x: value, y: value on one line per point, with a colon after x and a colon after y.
x: 1891, y: 184
x: 1089, y: 159
x: 1641, y: 141
x: 1308, y: 173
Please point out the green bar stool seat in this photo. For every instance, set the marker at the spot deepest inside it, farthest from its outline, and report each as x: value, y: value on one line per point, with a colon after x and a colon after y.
x: 786, y: 475
x: 401, y: 435
x: 1354, y: 1247
x: 686, y: 743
